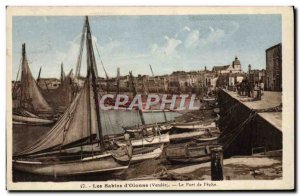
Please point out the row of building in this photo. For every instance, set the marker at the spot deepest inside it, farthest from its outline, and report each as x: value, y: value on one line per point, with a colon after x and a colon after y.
x: 195, y: 81
x: 270, y: 77
x: 176, y: 82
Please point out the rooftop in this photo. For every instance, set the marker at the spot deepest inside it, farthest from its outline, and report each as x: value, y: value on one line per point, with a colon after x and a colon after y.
x: 277, y: 45
x: 222, y: 67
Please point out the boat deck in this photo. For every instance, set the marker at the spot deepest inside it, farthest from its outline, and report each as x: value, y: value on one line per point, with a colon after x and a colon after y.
x: 269, y: 99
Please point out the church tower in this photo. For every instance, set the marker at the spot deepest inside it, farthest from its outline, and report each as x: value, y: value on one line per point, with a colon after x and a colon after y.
x: 236, y: 65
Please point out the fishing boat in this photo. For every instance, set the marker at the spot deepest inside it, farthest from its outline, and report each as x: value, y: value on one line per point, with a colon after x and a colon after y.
x: 145, y: 135
x: 201, y: 135
x: 79, y: 127
x: 154, y: 111
x: 147, y: 128
x: 66, y: 91
x: 195, y: 125
x: 209, y: 99
x: 153, y: 154
x: 188, y: 153
x: 142, y: 153
x: 210, y: 135
x: 209, y: 102
x: 23, y: 117
x: 153, y: 127
x: 147, y: 140
x: 192, y: 146
x: 29, y: 104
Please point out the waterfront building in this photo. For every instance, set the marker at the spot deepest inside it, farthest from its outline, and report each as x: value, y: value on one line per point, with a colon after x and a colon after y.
x: 273, y: 78
x: 49, y: 83
x: 234, y: 67
x: 256, y: 75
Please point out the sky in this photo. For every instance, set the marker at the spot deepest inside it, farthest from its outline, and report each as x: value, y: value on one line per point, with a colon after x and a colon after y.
x: 168, y: 43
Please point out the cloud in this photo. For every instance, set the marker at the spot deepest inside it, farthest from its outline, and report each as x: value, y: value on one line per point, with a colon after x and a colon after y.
x: 170, y: 53
x: 192, y: 39
x: 214, y: 36
x: 234, y: 26
x: 167, y: 48
x: 195, y: 40
x: 186, y: 28
x: 182, y: 31
x: 45, y: 18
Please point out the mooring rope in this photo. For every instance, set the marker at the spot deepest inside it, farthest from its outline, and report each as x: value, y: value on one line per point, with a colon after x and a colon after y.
x: 236, y: 131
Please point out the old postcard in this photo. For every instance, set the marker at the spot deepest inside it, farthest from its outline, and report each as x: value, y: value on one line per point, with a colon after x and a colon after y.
x: 150, y: 98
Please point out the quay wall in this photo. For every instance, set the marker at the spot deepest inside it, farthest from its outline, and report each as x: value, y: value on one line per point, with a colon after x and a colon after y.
x: 243, y: 130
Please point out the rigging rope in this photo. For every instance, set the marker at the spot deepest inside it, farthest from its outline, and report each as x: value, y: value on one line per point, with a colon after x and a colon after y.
x: 240, y: 130
x: 107, y: 77
x: 236, y: 131
x: 15, y: 84
x: 229, y: 113
x: 79, y: 58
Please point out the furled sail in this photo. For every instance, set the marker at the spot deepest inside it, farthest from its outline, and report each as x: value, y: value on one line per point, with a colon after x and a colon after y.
x: 64, y: 93
x: 31, y: 98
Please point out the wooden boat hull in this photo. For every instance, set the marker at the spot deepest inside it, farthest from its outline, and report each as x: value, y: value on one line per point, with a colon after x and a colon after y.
x: 186, y: 135
x: 97, y: 164
x: 209, y: 99
x: 146, y: 156
x: 160, y: 127
x: 159, y: 139
x: 190, y: 160
x: 154, y: 111
x: 189, y: 153
x: 139, y: 154
x: 207, y: 139
x: 199, y: 125
x: 17, y: 119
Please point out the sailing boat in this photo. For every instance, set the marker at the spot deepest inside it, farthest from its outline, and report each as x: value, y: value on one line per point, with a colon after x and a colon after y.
x: 30, y: 107
x: 112, y: 101
x: 75, y: 144
x: 64, y: 94
x: 156, y: 127
x: 146, y: 134
x: 195, y: 125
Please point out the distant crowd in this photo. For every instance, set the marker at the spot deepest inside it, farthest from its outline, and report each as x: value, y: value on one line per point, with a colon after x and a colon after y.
x: 245, y: 88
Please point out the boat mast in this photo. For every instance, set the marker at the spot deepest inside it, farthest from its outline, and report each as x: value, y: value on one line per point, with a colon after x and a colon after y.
x: 79, y: 58
x: 107, y: 85
x: 151, y: 70
x: 155, y: 82
x: 134, y: 94
x: 91, y: 62
x: 39, y: 76
x: 62, y: 73
x: 24, y: 71
x: 118, y: 80
x: 165, y: 116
